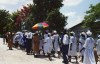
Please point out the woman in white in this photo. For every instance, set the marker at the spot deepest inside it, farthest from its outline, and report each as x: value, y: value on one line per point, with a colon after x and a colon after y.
x: 81, y: 43
x: 98, y: 45
x: 72, y: 47
x: 88, y: 47
x: 56, y: 43
x: 48, y: 46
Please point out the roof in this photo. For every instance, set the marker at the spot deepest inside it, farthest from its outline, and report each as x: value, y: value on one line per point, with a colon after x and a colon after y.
x: 76, y: 25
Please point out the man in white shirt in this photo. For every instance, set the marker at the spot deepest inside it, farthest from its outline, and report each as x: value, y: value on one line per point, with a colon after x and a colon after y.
x: 65, y: 47
x: 29, y: 42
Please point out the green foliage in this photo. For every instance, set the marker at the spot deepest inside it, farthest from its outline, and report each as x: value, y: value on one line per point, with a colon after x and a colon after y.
x: 4, y: 20
x: 48, y: 10
x: 41, y: 10
x: 92, y: 15
x: 57, y: 20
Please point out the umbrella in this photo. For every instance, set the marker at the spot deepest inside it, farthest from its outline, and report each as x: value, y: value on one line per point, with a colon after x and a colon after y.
x: 40, y: 25
x: 45, y: 25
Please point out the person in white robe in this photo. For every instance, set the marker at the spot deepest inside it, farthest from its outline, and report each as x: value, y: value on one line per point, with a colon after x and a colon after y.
x: 72, y: 47
x: 98, y: 46
x: 44, y: 39
x: 81, y: 43
x: 56, y: 43
x: 48, y: 46
x: 41, y: 42
x: 17, y: 40
x: 89, y: 52
x: 45, y: 36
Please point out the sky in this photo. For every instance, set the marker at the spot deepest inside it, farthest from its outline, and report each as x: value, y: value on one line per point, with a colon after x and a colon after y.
x: 74, y: 9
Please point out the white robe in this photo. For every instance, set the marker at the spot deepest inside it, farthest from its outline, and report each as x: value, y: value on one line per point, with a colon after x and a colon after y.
x: 48, y: 45
x: 18, y: 38
x: 89, y: 53
x: 41, y: 43
x: 73, y: 41
x: 82, y: 42
x: 56, y: 43
x: 98, y: 46
x: 45, y: 36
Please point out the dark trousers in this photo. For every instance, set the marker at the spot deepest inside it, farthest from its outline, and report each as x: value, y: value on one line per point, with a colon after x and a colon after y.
x: 28, y: 45
x: 64, y: 50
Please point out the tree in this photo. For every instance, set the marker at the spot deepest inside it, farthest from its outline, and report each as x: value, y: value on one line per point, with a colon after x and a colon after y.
x: 48, y: 10
x: 23, y: 16
x: 4, y: 20
x: 93, y: 14
x: 42, y: 10
x: 56, y: 20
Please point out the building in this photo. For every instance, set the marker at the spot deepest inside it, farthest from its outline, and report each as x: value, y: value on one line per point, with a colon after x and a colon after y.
x: 95, y: 28
x: 78, y: 29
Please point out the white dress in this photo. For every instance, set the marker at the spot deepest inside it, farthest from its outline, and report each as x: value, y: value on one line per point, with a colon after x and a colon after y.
x: 48, y: 45
x: 56, y: 42
x: 98, y: 46
x: 18, y: 38
x: 45, y: 36
x: 73, y: 41
x: 82, y: 42
x: 41, y: 43
x: 89, y: 53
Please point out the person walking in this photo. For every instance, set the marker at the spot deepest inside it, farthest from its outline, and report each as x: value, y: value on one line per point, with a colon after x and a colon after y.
x: 4, y: 39
x: 29, y: 42
x: 73, y: 47
x: 88, y: 47
x: 44, y: 36
x: 36, y: 43
x: 98, y: 45
x: 10, y: 42
x: 56, y: 46
x: 48, y: 46
x: 81, y: 43
x: 65, y: 47
x: 97, y: 49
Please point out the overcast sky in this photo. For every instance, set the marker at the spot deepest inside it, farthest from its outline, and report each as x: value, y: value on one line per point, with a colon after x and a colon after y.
x: 74, y: 9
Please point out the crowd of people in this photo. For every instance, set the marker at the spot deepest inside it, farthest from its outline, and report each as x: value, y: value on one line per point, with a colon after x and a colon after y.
x: 52, y: 44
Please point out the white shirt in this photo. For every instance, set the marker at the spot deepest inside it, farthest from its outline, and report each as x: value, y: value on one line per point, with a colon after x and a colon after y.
x: 29, y: 35
x: 65, y: 39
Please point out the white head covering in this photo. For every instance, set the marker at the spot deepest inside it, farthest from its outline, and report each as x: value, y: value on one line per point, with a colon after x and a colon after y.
x: 89, y: 33
x: 49, y: 34
x: 55, y: 31
x: 83, y: 33
x: 98, y: 36
x: 72, y: 33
